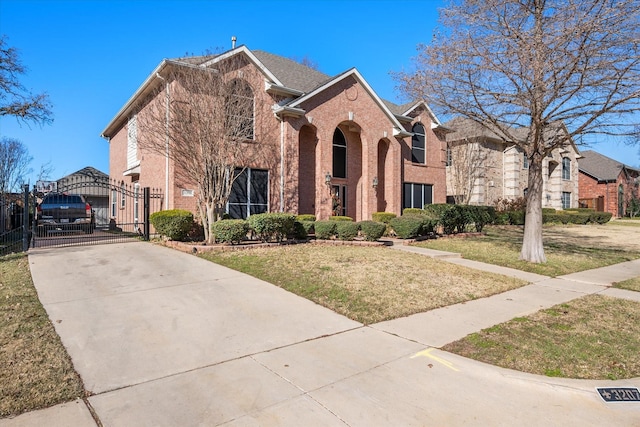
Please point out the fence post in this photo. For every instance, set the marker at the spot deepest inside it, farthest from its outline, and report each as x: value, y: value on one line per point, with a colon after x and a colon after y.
x: 25, y: 218
x: 146, y: 203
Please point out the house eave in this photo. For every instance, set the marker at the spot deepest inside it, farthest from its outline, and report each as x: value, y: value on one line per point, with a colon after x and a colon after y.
x: 282, y: 111
x: 275, y: 89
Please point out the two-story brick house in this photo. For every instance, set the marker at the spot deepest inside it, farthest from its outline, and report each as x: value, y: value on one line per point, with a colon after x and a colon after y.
x: 338, y: 148
x: 607, y: 184
x: 482, y: 168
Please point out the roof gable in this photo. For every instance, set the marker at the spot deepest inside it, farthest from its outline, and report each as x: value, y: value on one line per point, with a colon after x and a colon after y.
x: 601, y: 167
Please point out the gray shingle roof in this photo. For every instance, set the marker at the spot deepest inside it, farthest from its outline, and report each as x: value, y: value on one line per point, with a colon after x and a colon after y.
x: 292, y: 74
x: 601, y: 167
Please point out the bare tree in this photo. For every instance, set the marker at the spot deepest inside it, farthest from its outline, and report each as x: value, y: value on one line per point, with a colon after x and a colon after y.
x: 467, y: 163
x: 15, y: 99
x: 204, y: 119
x: 511, y: 65
x: 14, y: 164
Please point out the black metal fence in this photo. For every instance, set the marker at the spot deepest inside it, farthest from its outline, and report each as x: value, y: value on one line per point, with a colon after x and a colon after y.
x: 119, y: 213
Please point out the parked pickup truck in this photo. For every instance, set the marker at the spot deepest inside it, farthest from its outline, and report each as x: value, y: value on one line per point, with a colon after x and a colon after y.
x: 61, y: 212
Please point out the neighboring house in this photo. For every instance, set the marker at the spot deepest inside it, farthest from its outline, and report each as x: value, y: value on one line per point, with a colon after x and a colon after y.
x: 482, y: 168
x: 607, y: 185
x: 94, y: 186
x: 339, y: 148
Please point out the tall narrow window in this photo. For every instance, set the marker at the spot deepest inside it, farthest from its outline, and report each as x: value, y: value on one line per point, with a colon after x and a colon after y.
x: 566, y: 168
x: 114, y: 202
x: 449, y: 160
x: 566, y: 200
x: 339, y: 154
x: 132, y: 142
x: 239, y: 110
x: 136, y: 203
x: 418, y: 151
x: 525, y: 161
x: 122, y: 195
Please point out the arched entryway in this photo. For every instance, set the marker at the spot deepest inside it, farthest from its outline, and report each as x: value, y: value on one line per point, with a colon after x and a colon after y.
x: 346, y: 172
x: 307, y: 170
x: 382, y: 172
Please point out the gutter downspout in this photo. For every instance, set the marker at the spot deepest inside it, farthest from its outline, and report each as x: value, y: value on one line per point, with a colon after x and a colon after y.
x: 166, y: 144
x: 282, y: 164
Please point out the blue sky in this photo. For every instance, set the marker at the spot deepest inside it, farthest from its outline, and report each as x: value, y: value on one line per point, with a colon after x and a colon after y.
x: 91, y: 55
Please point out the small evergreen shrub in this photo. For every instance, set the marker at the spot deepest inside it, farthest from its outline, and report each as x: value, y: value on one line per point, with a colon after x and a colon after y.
x: 601, y: 217
x: 230, y: 230
x: 407, y: 227
x: 340, y: 218
x: 325, y: 230
x: 308, y: 226
x: 412, y: 211
x: 548, y: 211
x: 272, y: 225
x: 347, y: 230
x: 577, y: 217
x: 480, y: 216
x: 306, y: 217
x: 175, y: 224
x: 383, y: 216
x: 516, y: 217
x: 299, y: 231
x: 372, y: 230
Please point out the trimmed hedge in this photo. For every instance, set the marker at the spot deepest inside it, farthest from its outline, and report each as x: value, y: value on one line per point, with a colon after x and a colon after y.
x: 340, y: 218
x: 308, y: 226
x: 412, y: 211
x: 601, y: 217
x: 272, y: 225
x: 382, y: 217
x: 347, y: 230
x: 325, y: 229
x: 174, y: 224
x: 306, y: 217
x: 230, y: 230
x: 299, y: 230
x: 372, y: 230
x: 407, y: 227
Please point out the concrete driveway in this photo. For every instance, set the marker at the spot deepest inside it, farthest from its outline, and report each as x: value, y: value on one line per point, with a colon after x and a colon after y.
x: 163, y: 338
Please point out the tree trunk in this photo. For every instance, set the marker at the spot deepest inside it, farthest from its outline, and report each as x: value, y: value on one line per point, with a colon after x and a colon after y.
x: 532, y: 249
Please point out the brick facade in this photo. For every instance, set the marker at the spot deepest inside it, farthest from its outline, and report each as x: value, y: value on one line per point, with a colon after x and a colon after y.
x: 297, y: 149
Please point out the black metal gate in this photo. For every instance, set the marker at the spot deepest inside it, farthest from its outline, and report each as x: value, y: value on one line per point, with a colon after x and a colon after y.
x: 119, y: 213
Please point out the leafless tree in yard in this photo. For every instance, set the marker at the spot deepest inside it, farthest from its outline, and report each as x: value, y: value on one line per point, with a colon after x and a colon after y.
x: 204, y: 119
x: 466, y: 164
x: 14, y: 164
x: 528, y: 64
x: 15, y: 99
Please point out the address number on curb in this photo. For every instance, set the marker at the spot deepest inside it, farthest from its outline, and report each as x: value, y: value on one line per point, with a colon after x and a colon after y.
x: 619, y: 394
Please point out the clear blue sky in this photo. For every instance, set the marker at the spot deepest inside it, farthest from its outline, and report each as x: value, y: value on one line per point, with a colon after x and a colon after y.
x: 91, y: 55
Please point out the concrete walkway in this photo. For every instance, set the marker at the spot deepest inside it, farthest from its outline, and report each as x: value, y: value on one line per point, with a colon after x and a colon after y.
x: 162, y: 338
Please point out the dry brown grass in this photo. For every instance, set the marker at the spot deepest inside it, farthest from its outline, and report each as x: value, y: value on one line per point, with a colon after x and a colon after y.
x: 367, y: 284
x: 36, y: 370
x: 594, y: 337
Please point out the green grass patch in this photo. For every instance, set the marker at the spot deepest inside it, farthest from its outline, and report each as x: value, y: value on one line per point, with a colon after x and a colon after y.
x: 36, y: 369
x: 594, y: 337
x: 631, y: 284
x: 366, y: 284
x: 501, y: 245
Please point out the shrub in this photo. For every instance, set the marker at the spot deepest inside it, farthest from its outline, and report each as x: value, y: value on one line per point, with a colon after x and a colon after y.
x: 548, y: 211
x: 299, y: 231
x: 382, y: 216
x: 481, y: 216
x: 306, y: 217
x: 372, y: 230
x: 516, y: 217
x: 577, y: 217
x: 412, y: 211
x: 308, y: 226
x: 325, y: 229
x: 347, y: 230
x: 601, y: 217
x: 340, y: 218
x: 407, y: 227
x: 174, y: 224
x: 272, y: 226
x: 230, y: 230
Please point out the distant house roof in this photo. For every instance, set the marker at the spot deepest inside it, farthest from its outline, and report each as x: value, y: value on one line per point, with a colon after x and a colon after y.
x: 88, y: 173
x: 601, y: 167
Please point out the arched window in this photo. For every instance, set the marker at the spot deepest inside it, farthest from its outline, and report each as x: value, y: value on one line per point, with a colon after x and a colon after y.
x: 418, y: 151
x: 239, y: 110
x: 339, y: 154
x: 566, y: 168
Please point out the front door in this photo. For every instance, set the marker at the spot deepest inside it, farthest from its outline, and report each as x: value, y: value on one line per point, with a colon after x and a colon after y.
x: 339, y: 200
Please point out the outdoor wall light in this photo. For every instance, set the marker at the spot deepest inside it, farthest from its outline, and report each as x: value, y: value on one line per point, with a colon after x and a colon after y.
x: 374, y: 184
x: 327, y: 179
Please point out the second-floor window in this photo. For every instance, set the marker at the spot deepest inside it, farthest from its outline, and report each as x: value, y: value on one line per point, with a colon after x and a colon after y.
x: 339, y: 154
x: 239, y: 110
x: 525, y: 161
x: 418, y: 146
x: 566, y: 168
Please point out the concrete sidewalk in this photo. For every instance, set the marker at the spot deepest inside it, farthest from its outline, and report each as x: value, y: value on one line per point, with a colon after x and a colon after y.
x: 163, y: 338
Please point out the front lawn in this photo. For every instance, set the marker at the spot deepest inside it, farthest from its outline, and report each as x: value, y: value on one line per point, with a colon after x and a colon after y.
x: 500, y: 245
x: 594, y: 337
x: 36, y: 369
x: 366, y: 284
